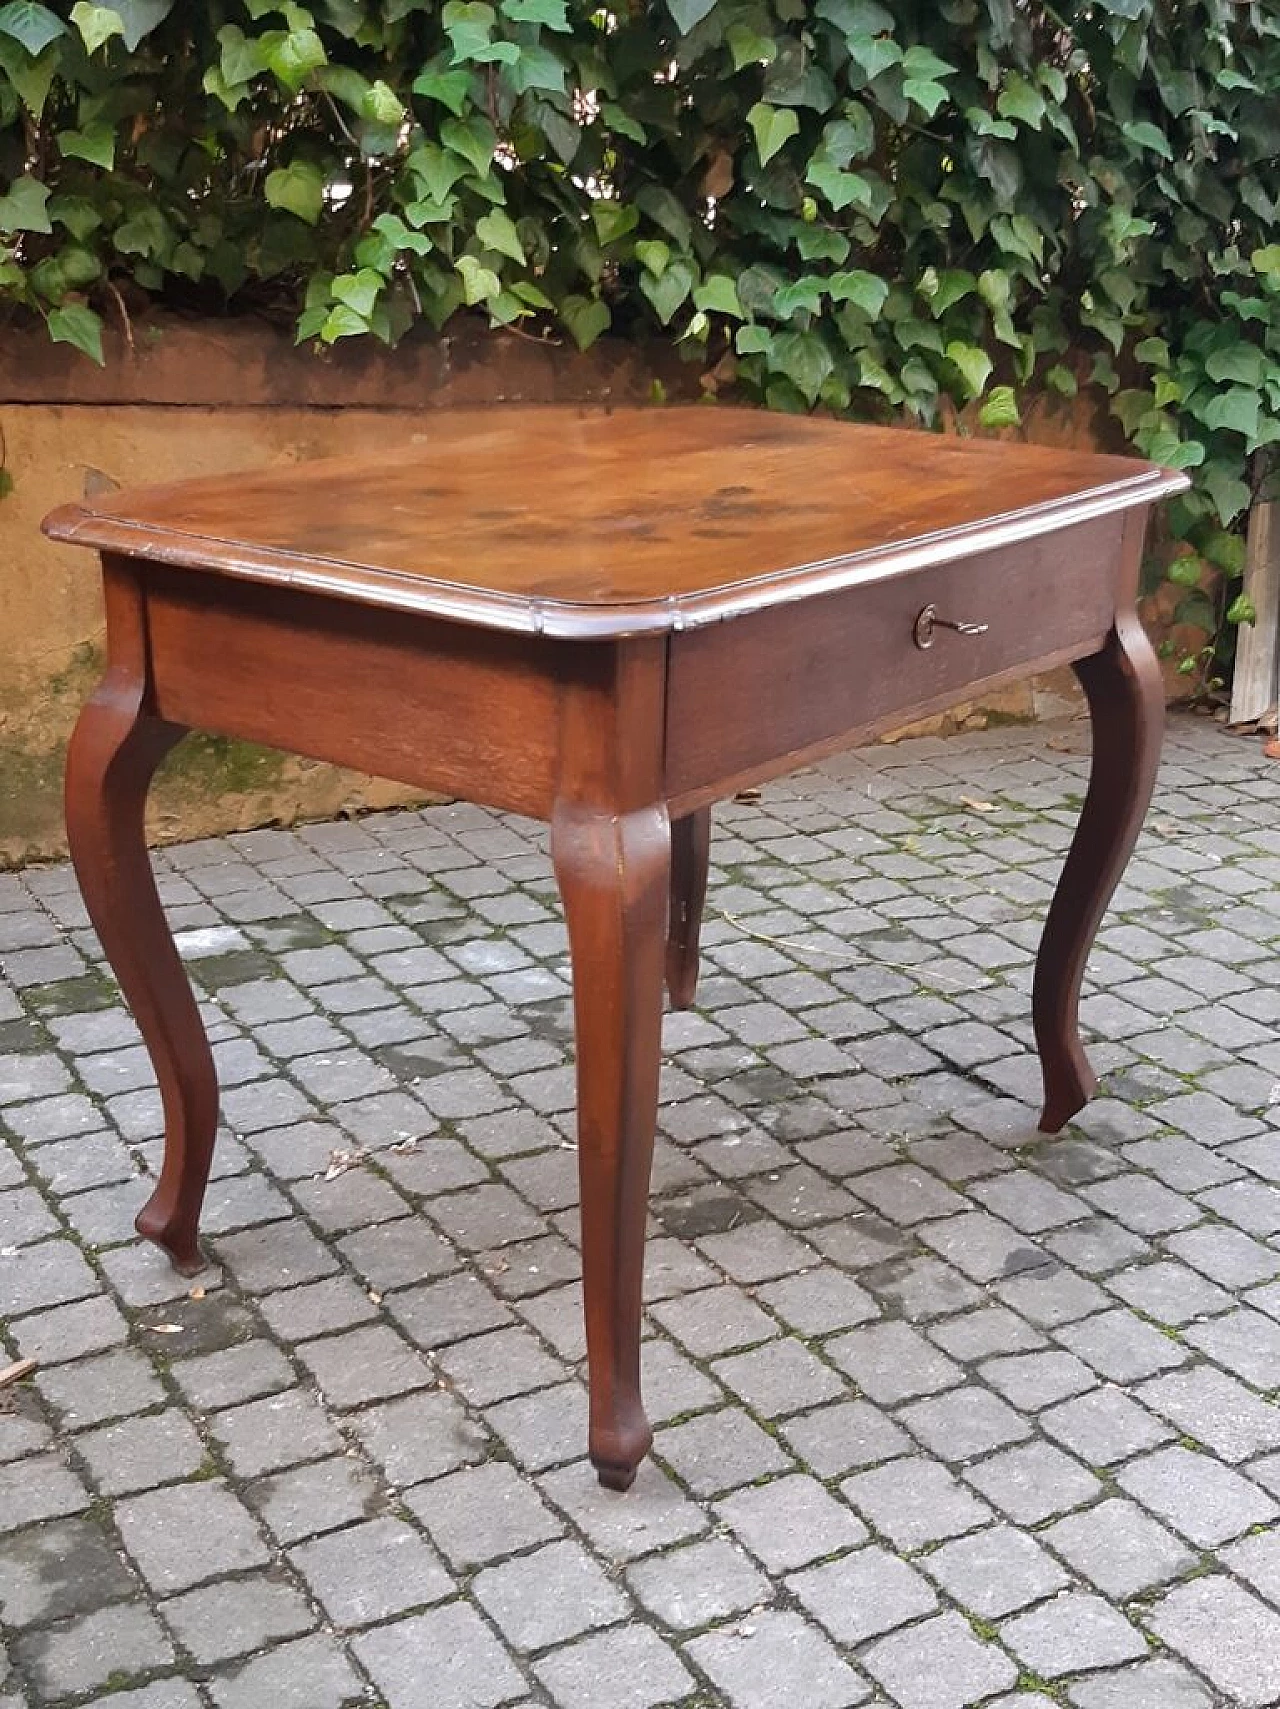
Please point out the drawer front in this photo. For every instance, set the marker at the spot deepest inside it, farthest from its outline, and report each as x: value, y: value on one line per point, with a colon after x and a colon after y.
x: 759, y: 693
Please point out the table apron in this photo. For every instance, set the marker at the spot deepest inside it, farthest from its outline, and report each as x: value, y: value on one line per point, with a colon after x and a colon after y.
x: 436, y: 705
x: 756, y: 696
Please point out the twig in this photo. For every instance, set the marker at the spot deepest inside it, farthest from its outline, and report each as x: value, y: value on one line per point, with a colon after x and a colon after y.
x: 124, y: 317
x: 15, y: 1373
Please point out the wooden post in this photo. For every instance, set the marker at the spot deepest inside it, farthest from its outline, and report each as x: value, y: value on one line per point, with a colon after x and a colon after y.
x: 1257, y: 676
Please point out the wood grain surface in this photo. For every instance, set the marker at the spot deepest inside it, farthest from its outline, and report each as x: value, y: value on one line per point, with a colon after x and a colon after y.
x: 574, y: 522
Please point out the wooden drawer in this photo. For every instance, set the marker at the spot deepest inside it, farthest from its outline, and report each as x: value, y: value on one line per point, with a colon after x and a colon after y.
x: 759, y: 694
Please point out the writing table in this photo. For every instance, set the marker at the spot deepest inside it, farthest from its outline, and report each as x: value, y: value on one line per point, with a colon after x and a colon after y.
x: 606, y: 621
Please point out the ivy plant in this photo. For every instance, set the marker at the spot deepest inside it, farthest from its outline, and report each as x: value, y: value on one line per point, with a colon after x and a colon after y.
x: 883, y: 208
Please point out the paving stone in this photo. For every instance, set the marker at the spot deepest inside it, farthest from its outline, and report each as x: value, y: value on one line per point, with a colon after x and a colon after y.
x: 372, y: 1571
x: 655, y: 1514
x: 70, y: 1331
x: 96, y: 1389
x: 774, y: 1658
x: 691, y: 1587
x: 1204, y: 1501
x: 1121, y: 1347
x: 365, y: 1364
x: 546, y: 1597
x: 316, y: 1498
x: 1225, y: 1633
x: 714, y: 1320
x: 312, y: 1673
x: 1156, y: 1684
x: 779, y: 1377
x: 938, y: 1664
x: 891, y: 1362
x: 110, y: 1644
x: 492, y: 1367
x: 1245, y: 1342
x: 863, y: 1595
x: 33, y: 1278
x: 816, y: 1302
x: 1104, y: 1426
x: 1119, y: 1548
x: 448, y: 1310
x: 282, y: 1430
x: 1217, y: 1410
x: 140, y: 1453
x: 963, y: 1423
x: 913, y: 1502
x: 233, y: 1374
x: 166, y: 1694
x: 39, y: 1487
x: 790, y: 1522
x: 237, y: 1616
x: 836, y: 1439
x: 1033, y: 1481
x: 482, y: 1514
x: 187, y: 1534
x: 995, y: 1571
x: 453, y: 1648
x: 52, y: 1572
x: 1073, y: 1632
x: 719, y: 1451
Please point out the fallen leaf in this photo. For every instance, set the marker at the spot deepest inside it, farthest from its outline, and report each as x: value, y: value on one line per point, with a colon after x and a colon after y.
x: 341, y: 1161
x: 1271, y: 750
x: 977, y: 806
x: 197, y: 1293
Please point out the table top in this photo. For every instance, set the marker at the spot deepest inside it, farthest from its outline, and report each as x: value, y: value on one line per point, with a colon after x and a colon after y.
x: 578, y: 523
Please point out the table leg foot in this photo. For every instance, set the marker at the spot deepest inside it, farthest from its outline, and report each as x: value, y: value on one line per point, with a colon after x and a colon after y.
x: 114, y: 751
x: 614, y: 871
x: 690, y: 853
x: 1126, y: 707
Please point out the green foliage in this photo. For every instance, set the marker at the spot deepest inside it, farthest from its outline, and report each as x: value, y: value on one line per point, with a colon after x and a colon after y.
x: 919, y: 208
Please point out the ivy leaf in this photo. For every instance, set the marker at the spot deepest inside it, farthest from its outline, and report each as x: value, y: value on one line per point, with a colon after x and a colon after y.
x: 1242, y: 610
x: 381, y: 105
x: 1019, y: 100
x: 479, y: 283
x: 95, y: 143
x: 925, y: 93
x: 76, y: 324
x: 772, y: 127
x: 359, y: 291
x: 450, y: 88
x: 1266, y: 260
x: 873, y: 55
x: 1186, y: 570
x: 33, y: 25
x: 140, y: 17
x: 96, y: 24
x: 1241, y: 362
x: 551, y: 14
x: 496, y: 230
x: 921, y: 62
x: 1237, y: 410
x: 974, y: 364
x: 866, y: 291
x: 1229, y: 494
x: 469, y: 27
x: 297, y: 188
x: 654, y: 256
x: 688, y: 13
x: 718, y: 295
x: 24, y: 207
x: 473, y: 138
x: 668, y: 291
x: 614, y: 221
x: 748, y: 47
x: 1001, y: 409
x: 342, y: 321
x: 586, y: 317
x: 804, y: 359
x: 1146, y: 135
x: 292, y: 56
x: 538, y: 68
x: 838, y: 186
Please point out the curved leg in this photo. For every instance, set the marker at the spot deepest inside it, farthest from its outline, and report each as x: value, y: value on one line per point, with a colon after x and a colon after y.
x: 114, y: 750
x: 690, y: 852
x: 1126, y: 708
x: 613, y: 871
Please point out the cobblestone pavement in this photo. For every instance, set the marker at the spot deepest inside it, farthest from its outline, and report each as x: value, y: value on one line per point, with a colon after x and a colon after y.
x: 946, y: 1414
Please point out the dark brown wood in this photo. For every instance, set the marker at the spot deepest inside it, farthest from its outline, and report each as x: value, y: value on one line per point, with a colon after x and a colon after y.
x: 115, y: 748
x: 1123, y: 686
x: 611, y: 847
x: 569, y: 522
x: 690, y: 855
x: 771, y: 690
x: 462, y: 710
x: 607, y: 621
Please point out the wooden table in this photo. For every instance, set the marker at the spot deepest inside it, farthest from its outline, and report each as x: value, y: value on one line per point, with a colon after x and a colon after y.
x: 607, y: 621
